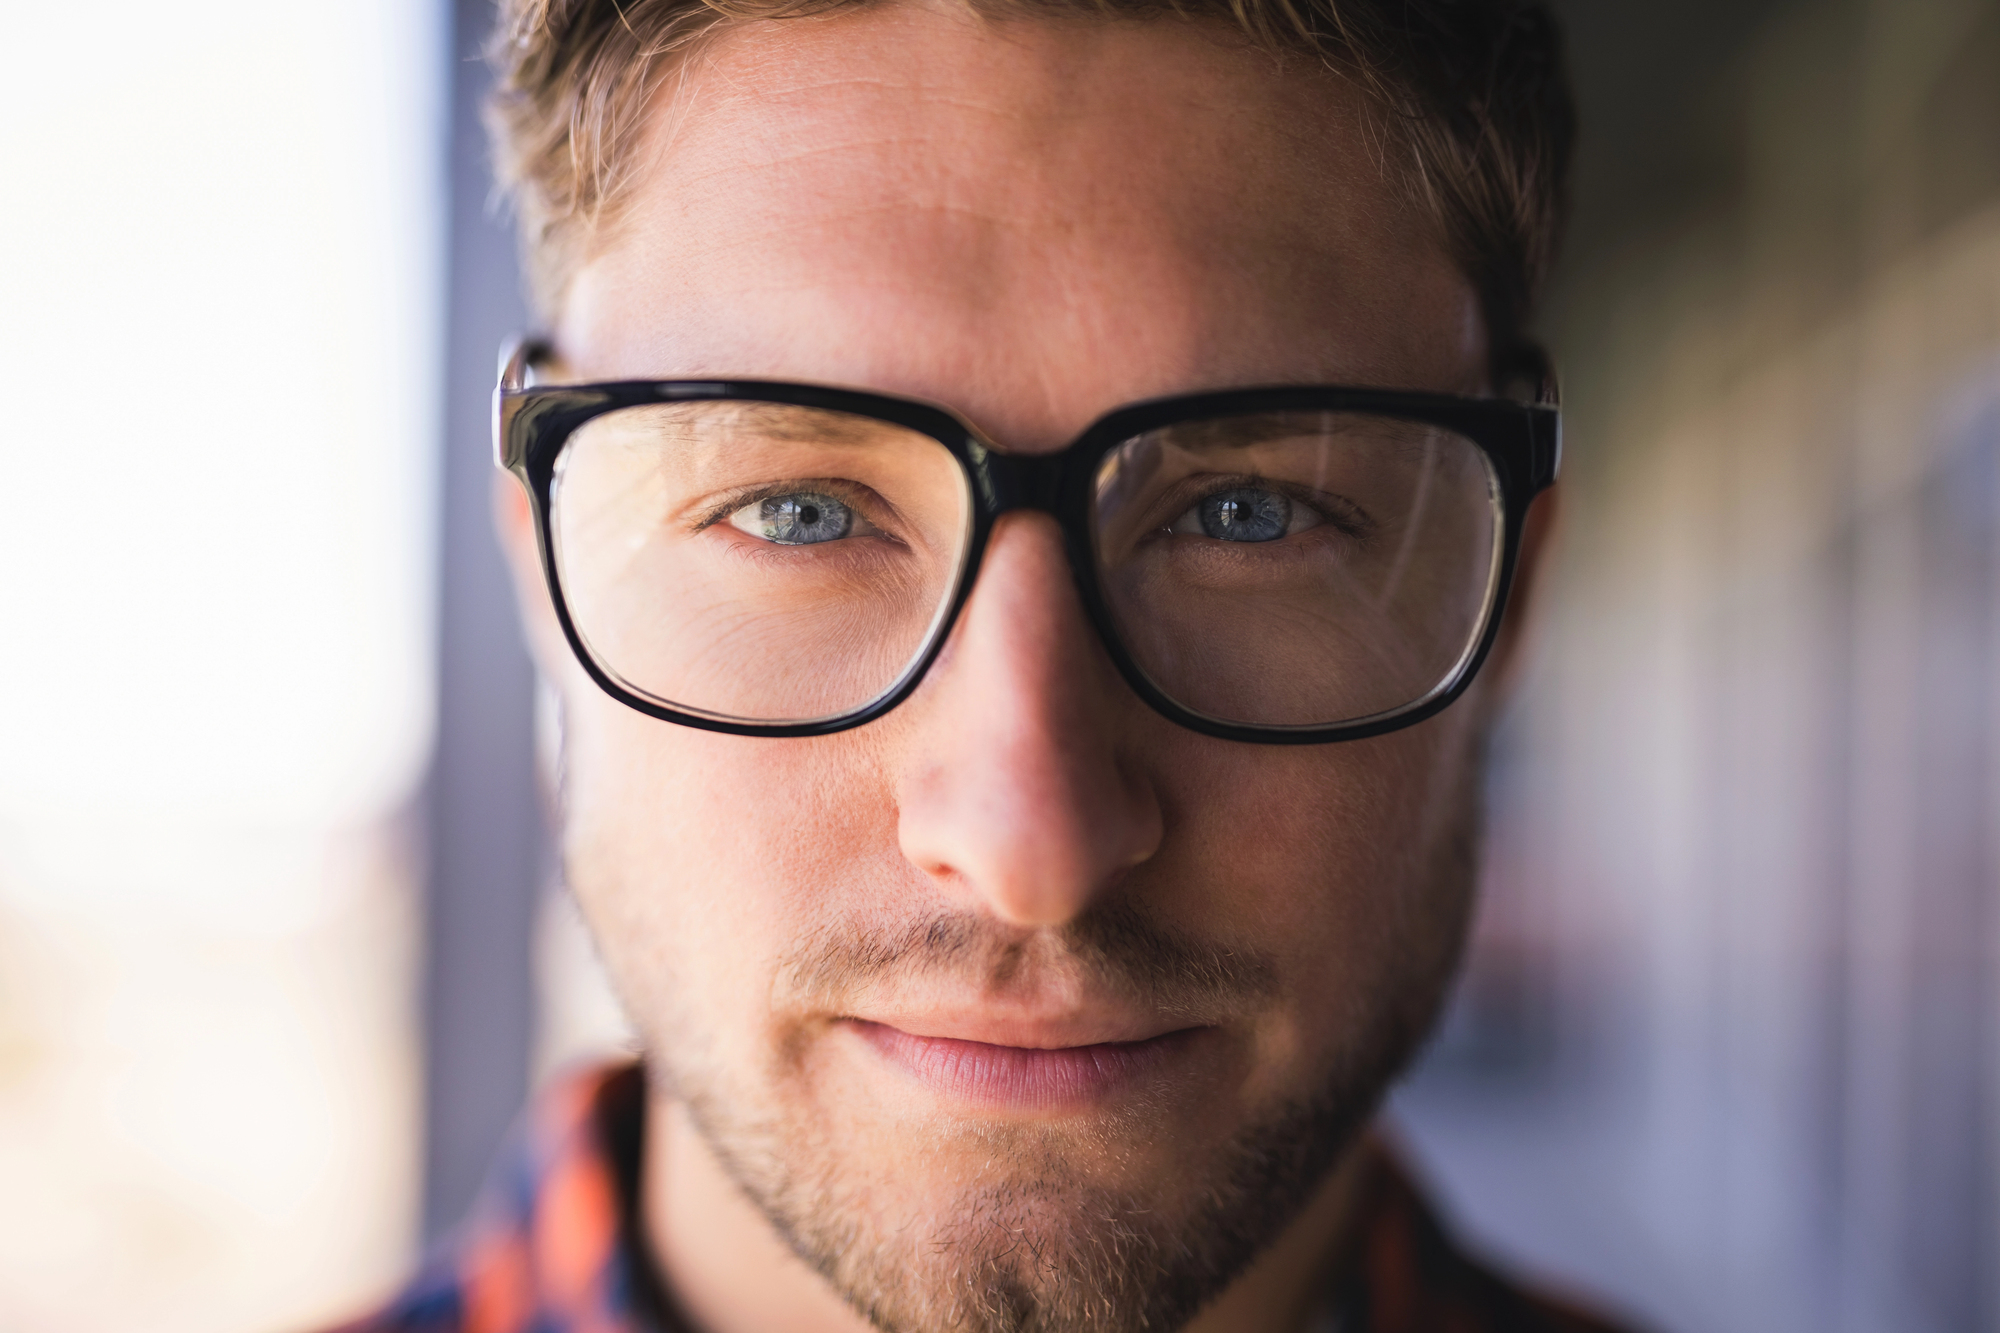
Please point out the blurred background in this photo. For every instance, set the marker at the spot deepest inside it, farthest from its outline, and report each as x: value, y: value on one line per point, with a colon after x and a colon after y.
x: 280, y: 951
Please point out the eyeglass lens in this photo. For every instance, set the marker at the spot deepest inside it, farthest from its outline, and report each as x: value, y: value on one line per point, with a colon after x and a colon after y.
x: 764, y: 562
x: 1298, y: 569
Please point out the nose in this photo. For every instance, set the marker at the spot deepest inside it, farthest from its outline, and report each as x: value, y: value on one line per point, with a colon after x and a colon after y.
x: 1016, y: 788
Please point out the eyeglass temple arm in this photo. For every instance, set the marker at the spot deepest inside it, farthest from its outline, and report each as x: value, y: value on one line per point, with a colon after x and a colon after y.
x: 517, y: 368
x: 1523, y: 372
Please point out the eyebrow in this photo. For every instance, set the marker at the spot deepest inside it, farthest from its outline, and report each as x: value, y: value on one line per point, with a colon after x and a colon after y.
x: 779, y: 421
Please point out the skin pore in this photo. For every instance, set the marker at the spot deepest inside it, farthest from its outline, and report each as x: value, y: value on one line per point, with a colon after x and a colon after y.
x: 1033, y: 221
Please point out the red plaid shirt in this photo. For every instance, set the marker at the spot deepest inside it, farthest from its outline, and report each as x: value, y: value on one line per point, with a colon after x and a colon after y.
x: 553, y: 1246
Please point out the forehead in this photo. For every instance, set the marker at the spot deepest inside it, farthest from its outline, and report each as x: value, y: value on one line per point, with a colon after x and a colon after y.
x: 1033, y: 220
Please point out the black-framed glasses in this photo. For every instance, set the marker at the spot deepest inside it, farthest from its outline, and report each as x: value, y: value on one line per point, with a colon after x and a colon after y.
x: 1280, y: 564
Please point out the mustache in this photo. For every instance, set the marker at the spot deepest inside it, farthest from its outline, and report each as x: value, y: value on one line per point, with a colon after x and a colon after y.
x: 1115, y: 945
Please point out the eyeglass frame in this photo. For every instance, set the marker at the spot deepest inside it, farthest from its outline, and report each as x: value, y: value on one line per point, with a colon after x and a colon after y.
x: 1522, y: 441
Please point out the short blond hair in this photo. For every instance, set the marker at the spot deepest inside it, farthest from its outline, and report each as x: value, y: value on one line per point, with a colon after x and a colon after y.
x: 1475, y: 93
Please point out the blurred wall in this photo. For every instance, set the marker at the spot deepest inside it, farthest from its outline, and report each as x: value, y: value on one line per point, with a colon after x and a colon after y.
x: 488, y: 847
x: 1727, y: 1051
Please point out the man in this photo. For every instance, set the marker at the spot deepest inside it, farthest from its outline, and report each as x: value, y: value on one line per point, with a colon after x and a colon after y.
x: 1028, y: 830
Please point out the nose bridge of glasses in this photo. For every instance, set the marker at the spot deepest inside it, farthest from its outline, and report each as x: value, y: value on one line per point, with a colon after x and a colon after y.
x: 1013, y: 481
x: 1041, y: 483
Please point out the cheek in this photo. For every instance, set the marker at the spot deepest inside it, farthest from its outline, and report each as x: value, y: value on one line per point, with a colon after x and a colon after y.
x: 1314, y: 835
x: 699, y: 859
x: 1347, y: 864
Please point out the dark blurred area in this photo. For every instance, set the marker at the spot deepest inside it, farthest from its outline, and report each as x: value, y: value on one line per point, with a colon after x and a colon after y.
x: 1726, y: 1051
x: 489, y: 849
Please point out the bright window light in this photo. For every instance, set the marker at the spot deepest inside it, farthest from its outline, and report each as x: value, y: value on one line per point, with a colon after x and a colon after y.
x: 220, y: 272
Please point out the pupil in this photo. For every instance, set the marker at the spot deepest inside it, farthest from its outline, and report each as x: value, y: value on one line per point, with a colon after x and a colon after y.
x: 809, y: 514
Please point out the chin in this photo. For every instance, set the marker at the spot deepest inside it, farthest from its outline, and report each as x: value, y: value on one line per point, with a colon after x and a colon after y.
x: 1116, y: 1220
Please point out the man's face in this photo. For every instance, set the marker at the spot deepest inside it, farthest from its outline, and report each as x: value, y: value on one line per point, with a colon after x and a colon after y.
x: 1021, y: 1005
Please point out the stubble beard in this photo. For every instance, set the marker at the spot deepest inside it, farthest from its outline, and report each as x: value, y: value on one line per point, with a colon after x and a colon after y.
x: 1034, y: 1247
x: 1041, y: 1250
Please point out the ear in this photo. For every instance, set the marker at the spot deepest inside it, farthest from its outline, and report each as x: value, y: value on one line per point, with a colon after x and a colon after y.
x: 514, y: 526
x: 1538, y: 535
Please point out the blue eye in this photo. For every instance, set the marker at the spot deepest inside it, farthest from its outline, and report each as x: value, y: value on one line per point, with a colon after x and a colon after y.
x: 1240, y: 514
x: 802, y: 518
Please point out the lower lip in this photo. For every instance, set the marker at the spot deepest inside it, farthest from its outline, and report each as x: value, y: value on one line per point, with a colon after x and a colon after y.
x: 1064, y: 1078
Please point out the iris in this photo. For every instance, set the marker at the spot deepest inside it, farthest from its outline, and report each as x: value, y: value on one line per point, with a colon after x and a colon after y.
x: 803, y: 518
x: 1245, y: 514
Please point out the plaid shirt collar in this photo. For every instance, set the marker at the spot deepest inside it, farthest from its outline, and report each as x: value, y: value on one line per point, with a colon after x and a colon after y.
x: 555, y: 1246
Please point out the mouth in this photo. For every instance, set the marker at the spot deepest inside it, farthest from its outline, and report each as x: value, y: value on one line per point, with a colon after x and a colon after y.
x: 1029, y: 1078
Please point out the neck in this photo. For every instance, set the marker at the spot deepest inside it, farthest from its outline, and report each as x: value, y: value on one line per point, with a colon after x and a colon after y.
x: 727, y: 1271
